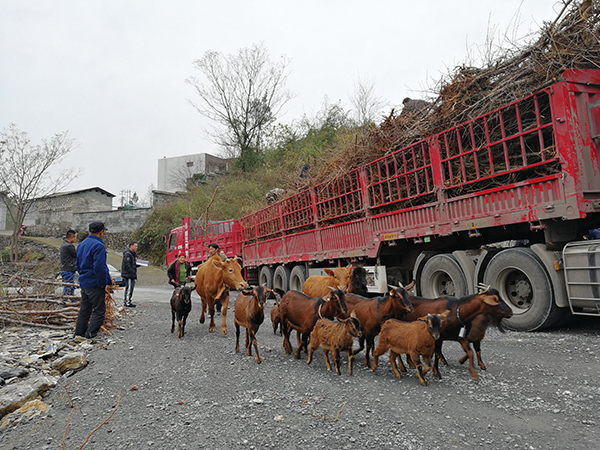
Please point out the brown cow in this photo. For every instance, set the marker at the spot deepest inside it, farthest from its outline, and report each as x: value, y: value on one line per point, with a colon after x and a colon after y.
x: 339, y: 278
x: 213, y: 279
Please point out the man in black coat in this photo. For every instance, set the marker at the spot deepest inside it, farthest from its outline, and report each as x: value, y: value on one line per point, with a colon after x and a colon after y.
x: 129, y: 272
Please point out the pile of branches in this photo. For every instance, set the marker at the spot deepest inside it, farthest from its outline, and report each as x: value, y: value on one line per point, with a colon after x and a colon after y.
x: 31, y: 302
x: 571, y: 41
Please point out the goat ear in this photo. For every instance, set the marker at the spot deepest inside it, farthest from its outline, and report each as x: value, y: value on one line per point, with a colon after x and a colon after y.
x: 353, y: 314
x: 328, y: 272
x: 247, y: 291
x: 490, y: 300
x: 445, y: 314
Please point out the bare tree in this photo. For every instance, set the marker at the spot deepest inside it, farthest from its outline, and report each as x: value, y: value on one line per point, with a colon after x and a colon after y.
x: 367, y: 106
x: 243, y: 93
x: 24, y: 173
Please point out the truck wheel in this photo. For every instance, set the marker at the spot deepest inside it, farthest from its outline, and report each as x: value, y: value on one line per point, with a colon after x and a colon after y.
x: 297, y: 278
x: 442, y: 276
x: 281, y: 278
x: 265, y: 277
x: 525, y: 286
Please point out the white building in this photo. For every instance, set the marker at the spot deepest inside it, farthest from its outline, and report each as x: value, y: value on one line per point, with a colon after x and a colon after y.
x: 176, y: 173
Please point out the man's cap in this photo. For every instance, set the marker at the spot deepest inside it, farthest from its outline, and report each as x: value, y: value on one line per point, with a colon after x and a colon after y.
x: 97, y: 227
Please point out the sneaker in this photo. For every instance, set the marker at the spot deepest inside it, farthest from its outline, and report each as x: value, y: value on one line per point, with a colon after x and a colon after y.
x: 78, y: 338
x: 130, y: 305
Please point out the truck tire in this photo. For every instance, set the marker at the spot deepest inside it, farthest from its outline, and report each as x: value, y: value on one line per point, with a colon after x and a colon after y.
x: 265, y: 277
x: 524, y: 285
x: 297, y: 278
x: 281, y: 278
x: 442, y: 276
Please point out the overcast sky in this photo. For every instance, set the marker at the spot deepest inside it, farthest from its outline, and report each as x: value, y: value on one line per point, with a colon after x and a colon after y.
x: 112, y: 72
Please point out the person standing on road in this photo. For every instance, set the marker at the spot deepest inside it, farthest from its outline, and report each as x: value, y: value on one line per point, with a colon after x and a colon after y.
x: 180, y: 272
x: 68, y: 264
x: 95, y: 282
x: 129, y: 272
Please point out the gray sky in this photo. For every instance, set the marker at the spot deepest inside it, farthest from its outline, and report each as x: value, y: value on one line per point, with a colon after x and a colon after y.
x: 112, y: 72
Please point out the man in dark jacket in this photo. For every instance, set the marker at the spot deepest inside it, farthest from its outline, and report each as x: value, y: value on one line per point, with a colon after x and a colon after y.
x: 129, y: 272
x: 68, y: 264
x: 180, y: 272
x: 95, y: 282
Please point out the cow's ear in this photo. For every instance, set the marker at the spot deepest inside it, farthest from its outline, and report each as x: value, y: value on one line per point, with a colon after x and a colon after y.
x: 217, y: 263
x: 328, y: 272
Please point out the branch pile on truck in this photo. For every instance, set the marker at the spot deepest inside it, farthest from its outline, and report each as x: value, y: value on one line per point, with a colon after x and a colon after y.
x: 504, y: 196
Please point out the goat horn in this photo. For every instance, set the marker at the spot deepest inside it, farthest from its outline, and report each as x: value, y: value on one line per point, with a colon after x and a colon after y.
x: 483, y: 288
x: 320, y: 311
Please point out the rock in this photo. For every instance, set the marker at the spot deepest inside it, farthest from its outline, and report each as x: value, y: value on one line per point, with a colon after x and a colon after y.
x: 7, y: 372
x: 71, y: 361
x: 28, y: 410
x: 14, y: 396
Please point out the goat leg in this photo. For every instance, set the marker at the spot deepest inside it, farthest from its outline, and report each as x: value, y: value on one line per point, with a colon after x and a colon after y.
x: 172, y: 321
x: 393, y: 356
x: 379, y: 350
x: 361, y: 343
x: 401, y: 364
x: 436, y: 370
x: 249, y: 341
x: 336, y: 361
x: 237, y: 338
x: 326, y: 357
x: 420, y: 373
x: 469, y: 351
x: 350, y: 360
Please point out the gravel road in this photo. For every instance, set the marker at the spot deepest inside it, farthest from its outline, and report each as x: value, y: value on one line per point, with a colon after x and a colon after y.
x: 540, y: 391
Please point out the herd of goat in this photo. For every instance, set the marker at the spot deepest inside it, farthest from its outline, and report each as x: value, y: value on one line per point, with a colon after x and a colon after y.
x: 405, y: 324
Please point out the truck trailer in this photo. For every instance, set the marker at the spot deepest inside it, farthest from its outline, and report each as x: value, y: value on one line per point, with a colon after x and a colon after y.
x: 505, y: 199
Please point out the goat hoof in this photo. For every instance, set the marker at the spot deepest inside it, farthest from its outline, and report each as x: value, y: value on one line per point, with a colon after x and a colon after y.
x: 223, y: 331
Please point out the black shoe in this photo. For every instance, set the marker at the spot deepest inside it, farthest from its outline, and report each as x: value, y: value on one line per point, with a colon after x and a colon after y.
x: 130, y: 305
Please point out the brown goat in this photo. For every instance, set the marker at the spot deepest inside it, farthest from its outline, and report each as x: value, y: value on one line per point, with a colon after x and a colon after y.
x: 316, y: 286
x: 476, y: 333
x: 372, y: 311
x: 249, y: 312
x: 335, y: 337
x: 300, y: 312
x: 181, y: 305
x: 413, y: 338
x: 463, y: 312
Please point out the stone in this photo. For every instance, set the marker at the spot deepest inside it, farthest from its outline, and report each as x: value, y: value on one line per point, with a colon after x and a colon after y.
x: 13, y: 396
x: 30, y: 409
x: 70, y: 361
x: 7, y: 372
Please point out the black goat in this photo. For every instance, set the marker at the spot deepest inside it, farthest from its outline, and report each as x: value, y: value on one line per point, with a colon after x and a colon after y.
x: 181, y: 305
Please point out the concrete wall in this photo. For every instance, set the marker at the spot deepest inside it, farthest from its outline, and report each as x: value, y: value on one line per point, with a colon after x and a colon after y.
x: 174, y: 173
x: 119, y: 221
x: 60, y: 208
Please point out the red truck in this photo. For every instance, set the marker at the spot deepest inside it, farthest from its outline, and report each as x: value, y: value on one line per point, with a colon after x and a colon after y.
x: 504, y: 199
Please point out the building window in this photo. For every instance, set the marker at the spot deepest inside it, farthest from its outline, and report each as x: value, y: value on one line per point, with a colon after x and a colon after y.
x: 190, y: 164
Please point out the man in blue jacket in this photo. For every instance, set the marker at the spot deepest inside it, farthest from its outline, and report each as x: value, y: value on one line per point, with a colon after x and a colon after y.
x: 94, y: 280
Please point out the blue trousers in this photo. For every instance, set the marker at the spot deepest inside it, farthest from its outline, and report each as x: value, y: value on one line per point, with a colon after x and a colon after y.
x: 68, y: 277
x: 92, y: 310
